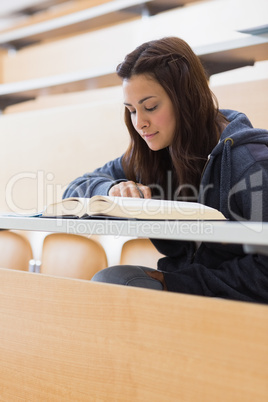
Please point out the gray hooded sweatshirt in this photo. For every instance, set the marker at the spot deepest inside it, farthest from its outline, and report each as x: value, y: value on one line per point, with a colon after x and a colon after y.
x: 235, y: 181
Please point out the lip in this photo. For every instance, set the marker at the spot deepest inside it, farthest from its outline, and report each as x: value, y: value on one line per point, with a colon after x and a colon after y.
x: 147, y: 136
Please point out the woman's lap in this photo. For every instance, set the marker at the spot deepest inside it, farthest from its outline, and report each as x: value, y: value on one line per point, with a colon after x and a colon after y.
x: 128, y: 275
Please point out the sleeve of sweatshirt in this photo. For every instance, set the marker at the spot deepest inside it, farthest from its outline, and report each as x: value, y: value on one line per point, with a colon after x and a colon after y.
x: 244, y: 279
x: 97, y: 182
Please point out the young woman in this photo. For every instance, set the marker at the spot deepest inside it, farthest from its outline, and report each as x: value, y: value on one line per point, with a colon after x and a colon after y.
x: 183, y: 147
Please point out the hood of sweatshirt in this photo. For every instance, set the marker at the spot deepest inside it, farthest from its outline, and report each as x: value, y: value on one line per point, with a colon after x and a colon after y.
x: 238, y: 132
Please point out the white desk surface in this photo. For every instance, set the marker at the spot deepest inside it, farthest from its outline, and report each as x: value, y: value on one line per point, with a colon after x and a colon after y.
x: 252, y: 233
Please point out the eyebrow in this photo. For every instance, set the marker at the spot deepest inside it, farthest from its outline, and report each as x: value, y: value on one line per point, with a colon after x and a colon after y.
x: 141, y: 101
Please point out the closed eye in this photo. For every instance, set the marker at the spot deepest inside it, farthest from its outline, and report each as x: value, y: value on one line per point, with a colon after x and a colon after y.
x: 151, y: 109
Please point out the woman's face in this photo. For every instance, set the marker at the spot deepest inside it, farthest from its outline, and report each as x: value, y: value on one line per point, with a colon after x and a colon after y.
x: 151, y: 110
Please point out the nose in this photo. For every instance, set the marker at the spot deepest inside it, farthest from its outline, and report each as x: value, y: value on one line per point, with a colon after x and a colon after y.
x: 141, y: 122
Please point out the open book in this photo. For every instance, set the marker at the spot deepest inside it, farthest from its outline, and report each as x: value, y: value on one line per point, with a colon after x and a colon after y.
x: 131, y: 208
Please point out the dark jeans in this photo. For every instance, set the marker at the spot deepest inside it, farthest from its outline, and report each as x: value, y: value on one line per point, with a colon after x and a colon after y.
x: 128, y: 275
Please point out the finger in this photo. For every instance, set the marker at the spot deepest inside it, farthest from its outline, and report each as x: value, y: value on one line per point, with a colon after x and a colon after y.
x: 114, y: 191
x: 129, y: 189
x: 146, y: 191
x: 124, y: 189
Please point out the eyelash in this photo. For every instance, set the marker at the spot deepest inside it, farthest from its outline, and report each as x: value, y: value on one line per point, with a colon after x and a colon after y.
x: 147, y: 110
x: 151, y: 109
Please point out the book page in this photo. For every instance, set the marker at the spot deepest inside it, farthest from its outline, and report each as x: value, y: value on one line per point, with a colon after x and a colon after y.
x: 67, y: 207
x: 140, y: 208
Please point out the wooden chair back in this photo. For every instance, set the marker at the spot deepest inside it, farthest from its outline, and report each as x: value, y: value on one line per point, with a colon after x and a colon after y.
x: 72, y: 256
x: 139, y: 252
x: 15, y: 251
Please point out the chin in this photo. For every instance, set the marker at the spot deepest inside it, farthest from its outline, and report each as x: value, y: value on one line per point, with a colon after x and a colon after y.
x: 156, y: 148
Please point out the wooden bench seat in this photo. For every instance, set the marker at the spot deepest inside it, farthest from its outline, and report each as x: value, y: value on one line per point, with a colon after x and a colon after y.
x: 67, y: 98
x: 91, y: 50
x: 86, y: 61
x: 75, y: 17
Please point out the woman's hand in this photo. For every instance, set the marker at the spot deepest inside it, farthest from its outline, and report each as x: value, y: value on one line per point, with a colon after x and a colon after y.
x: 159, y: 276
x: 130, y: 189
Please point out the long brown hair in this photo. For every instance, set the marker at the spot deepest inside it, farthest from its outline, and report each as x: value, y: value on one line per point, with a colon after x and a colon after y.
x: 173, y: 64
